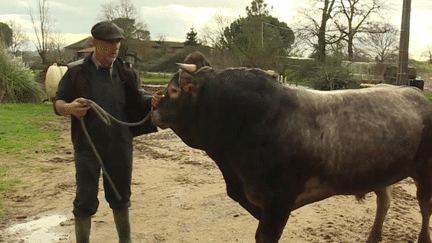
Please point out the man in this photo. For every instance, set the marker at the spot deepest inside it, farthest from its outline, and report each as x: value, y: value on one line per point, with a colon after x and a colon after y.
x: 105, y: 79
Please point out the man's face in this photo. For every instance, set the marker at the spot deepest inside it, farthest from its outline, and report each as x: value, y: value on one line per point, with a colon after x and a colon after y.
x: 107, y: 50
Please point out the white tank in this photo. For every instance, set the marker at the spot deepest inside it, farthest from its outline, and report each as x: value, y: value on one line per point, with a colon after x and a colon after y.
x: 52, y: 79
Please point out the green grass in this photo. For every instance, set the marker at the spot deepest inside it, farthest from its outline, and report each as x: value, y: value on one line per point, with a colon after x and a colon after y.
x: 421, y: 66
x: 25, y: 128
x: 429, y: 96
x: 156, y: 80
x: 6, y: 183
x: 24, y: 125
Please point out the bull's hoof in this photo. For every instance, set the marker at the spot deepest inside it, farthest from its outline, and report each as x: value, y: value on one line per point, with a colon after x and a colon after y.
x: 375, y: 238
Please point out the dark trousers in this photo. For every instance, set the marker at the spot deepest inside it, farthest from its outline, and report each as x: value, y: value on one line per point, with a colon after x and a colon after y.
x: 118, y: 164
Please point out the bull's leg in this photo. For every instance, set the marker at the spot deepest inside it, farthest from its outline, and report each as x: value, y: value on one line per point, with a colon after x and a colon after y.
x: 383, y: 204
x: 235, y: 188
x: 236, y: 192
x: 275, y: 216
x: 251, y: 208
x: 424, y: 195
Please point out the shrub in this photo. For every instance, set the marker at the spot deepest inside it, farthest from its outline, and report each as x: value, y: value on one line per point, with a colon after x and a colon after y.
x: 165, y: 63
x: 333, y: 75
x: 17, y: 81
x: 302, y: 72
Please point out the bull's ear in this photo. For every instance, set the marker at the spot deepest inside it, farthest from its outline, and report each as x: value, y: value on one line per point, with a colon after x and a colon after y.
x: 191, y: 83
x: 185, y: 82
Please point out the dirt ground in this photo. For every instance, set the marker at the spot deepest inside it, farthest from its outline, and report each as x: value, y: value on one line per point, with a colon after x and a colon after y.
x: 178, y: 195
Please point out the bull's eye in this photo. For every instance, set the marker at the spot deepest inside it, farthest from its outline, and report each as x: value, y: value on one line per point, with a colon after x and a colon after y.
x: 173, y: 91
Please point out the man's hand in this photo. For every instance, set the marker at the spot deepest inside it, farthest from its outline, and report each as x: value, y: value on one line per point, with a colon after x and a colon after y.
x: 157, y: 98
x: 78, y: 107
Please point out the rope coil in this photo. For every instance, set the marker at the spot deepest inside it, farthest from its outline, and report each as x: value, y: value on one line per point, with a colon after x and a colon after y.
x: 106, y: 118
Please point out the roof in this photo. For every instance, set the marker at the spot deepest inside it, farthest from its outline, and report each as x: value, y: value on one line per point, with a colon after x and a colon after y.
x: 87, y: 50
x: 84, y: 43
x: 173, y: 44
x: 157, y: 44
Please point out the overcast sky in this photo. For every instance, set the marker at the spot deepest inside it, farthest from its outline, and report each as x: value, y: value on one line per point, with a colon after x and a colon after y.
x: 173, y: 19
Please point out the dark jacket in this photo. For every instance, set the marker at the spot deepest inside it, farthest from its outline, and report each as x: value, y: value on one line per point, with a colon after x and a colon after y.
x: 138, y: 101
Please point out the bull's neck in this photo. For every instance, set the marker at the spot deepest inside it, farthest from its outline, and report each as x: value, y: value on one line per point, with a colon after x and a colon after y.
x: 189, y: 136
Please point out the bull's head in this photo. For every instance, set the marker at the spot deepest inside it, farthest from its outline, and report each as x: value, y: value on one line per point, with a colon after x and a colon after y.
x: 188, y: 80
x: 182, y: 91
x: 195, y: 63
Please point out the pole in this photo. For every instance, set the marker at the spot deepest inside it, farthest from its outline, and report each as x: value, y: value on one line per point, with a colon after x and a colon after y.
x: 262, y: 35
x: 402, y: 73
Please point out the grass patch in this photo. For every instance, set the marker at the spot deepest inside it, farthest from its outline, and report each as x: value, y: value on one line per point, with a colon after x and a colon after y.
x: 429, y: 96
x: 24, y: 126
x: 424, y: 69
x: 156, y: 80
x: 422, y: 66
x: 7, y: 184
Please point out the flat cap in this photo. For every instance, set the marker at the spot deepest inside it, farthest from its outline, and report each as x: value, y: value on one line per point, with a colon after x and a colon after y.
x: 107, y: 30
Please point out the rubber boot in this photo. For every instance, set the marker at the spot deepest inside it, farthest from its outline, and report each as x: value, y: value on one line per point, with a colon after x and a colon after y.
x: 82, y: 229
x: 121, y: 219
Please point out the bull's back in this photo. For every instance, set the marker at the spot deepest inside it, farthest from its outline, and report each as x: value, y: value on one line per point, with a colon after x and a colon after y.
x: 353, y: 137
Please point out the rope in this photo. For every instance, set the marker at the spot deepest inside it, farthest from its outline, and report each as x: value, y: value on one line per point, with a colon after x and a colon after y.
x: 106, y: 118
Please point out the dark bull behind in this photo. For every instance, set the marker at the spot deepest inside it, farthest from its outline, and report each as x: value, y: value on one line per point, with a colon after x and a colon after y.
x: 280, y: 148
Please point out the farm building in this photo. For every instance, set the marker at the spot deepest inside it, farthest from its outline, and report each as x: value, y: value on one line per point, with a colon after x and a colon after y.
x: 142, y: 49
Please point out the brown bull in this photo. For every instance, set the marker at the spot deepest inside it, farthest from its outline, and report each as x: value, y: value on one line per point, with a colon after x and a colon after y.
x: 280, y: 148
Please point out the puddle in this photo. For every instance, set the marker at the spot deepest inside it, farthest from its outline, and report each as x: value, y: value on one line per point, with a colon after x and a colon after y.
x: 44, y: 229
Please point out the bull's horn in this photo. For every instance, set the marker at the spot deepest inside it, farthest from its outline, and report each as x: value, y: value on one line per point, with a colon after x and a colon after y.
x: 190, y: 68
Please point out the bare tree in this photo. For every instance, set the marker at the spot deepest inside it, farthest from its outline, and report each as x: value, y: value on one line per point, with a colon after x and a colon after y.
x: 212, y: 35
x: 382, y: 41
x: 300, y: 46
x: 128, y: 17
x: 161, y: 38
x: 19, y: 39
x: 315, y: 30
x: 56, y: 43
x: 428, y: 54
x: 124, y: 9
x: 42, y: 32
x: 352, y: 17
x: 214, y: 28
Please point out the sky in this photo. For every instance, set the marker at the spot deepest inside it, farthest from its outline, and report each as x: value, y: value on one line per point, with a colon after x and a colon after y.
x: 174, y: 19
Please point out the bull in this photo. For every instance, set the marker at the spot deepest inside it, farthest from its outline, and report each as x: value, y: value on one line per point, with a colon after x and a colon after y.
x: 280, y: 148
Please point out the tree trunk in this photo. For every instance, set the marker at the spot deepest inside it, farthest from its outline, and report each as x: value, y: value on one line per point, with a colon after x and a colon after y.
x: 2, y: 93
x: 43, y: 55
x: 328, y: 8
x: 321, y: 55
x: 350, y: 48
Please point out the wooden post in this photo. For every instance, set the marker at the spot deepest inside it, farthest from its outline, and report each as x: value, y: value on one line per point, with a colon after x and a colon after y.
x: 402, y: 72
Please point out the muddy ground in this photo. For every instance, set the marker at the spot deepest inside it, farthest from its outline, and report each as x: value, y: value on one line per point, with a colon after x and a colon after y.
x: 179, y: 196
